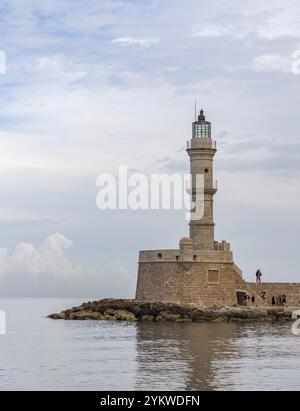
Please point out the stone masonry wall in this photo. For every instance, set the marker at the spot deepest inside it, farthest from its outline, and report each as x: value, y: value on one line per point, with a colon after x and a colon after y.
x: 205, y: 284
x: 200, y: 283
x: 291, y: 290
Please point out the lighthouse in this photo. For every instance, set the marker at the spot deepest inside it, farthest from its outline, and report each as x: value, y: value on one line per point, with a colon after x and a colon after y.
x: 201, y: 270
x: 201, y: 150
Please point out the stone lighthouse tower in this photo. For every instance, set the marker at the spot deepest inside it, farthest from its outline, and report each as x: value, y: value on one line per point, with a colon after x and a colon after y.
x: 201, y: 271
x: 201, y: 150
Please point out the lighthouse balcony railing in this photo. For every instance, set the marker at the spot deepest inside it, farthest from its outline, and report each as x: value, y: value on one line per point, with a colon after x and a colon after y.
x: 189, y: 144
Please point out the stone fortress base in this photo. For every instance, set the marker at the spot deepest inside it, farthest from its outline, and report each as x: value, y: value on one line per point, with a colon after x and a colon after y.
x: 206, y: 278
x: 202, y: 270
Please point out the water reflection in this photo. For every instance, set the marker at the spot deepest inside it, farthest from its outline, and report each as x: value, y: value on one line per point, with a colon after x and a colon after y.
x: 42, y: 354
x: 217, y: 357
x: 180, y: 356
x: 263, y: 357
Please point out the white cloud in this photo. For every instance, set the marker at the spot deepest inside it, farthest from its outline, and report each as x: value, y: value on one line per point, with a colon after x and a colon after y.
x: 48, y: 258
x: 58, y: 65
x: 267, y: 20
x: 273, y: 62
x: 208, y: 30
x: 91, y: 122
x: 47, y: 270
x: 133, y: 41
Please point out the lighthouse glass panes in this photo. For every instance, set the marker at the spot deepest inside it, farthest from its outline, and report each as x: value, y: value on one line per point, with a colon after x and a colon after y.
x: 201, y: 129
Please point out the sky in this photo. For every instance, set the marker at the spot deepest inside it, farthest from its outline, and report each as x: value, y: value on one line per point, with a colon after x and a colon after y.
x: 92, y: 85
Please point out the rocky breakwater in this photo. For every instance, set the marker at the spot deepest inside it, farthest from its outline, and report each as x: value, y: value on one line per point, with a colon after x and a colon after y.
x: 132, y: 310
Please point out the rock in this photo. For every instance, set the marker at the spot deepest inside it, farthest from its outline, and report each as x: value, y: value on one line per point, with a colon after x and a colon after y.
x: 235, y: 313
x: 124, y: 315
x: 201, y: 315
x: 58, y: 316
x: 109, y: 312
x: 132, y: 310
x: 169, y: 316
x: 109, y: 318
x: 141, y: 310
x: 85, y: 315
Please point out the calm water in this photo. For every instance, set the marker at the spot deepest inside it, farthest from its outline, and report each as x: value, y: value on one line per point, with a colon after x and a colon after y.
x: 42, y: 354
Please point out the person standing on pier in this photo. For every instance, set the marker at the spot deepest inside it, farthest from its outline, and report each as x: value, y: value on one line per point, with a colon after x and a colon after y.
x: 258, y: 276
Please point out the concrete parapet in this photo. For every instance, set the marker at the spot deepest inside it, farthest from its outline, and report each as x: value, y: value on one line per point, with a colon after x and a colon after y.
x: 198, y: 256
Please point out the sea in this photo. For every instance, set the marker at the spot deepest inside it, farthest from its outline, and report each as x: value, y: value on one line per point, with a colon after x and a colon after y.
x: 37, y: 353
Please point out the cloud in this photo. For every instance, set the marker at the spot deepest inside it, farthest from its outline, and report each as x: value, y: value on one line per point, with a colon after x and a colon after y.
x: 59, y: 65
x: 216, y: 31
x: 171, y: 165
x: 47, y: 258
x: 88, y: 89
x: 266, y: 21
x: 273, y: 62
x: 133, y: 41
x: 46, y: 270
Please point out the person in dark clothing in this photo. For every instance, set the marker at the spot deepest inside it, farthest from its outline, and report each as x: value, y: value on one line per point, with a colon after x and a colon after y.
x: 273, y: 301
x: 284, y: 300
x: 258, y: 276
